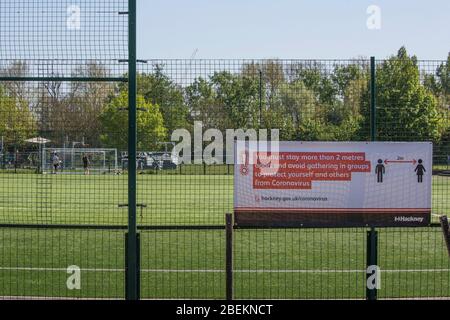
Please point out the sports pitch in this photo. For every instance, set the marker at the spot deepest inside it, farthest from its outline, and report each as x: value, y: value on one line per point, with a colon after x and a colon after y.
x: 278, y: 264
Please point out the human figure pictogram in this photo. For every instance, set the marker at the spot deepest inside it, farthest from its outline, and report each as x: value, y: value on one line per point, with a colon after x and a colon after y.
x: 420, y: 170
x: 380, y: 171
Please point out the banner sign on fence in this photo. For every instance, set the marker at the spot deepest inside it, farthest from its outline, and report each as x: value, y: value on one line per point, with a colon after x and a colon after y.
x: 326, y: 184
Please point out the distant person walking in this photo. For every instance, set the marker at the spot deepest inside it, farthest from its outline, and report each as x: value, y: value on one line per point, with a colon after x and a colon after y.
x: 420, y: 170
x: 86, y: 164
x: 56, y: 162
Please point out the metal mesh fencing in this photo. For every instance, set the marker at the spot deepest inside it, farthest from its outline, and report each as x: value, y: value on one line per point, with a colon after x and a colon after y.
x: 66, y: 30
x: 307, y: 100
x: 40, y: 186
x: 414, y: 264
x: 57, y: 263
x: 183, y: 264
x: 268, y: 264
x: 248, y: 94
x: 60, y: 62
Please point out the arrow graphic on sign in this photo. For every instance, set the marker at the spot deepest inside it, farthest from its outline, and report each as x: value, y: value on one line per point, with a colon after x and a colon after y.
x: 414, y: 162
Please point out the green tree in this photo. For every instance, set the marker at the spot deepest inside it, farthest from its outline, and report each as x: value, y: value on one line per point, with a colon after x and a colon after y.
x: 312, y: 130
x: 324, y: 103
x: 16, y: 120
x: 439, y: 84
x: 158, y: 89
x: 298, y: 102
x: 406, y: 110
x: 203, y: 105
x: 225, y: 101
x: 150, y: 124
x: 316, y: 78
x: 85, y: 103
x: 238, y: 96
x: 271, y: 75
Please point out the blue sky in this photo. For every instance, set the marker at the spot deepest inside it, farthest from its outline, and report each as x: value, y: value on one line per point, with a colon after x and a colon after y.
x: 291, y: 28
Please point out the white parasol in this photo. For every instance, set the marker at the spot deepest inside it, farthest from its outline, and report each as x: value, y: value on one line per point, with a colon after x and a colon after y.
x: 38, y: 140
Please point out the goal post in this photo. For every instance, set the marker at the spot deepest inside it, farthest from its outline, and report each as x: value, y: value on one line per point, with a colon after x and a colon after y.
x: 101, y: 161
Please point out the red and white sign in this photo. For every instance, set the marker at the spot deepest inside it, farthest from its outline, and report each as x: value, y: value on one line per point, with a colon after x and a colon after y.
x: 333, y: 184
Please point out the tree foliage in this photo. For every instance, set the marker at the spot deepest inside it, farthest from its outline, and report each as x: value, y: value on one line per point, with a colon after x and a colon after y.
x: 158, y: 89
x: 306, y: 100
x: 405, y: 103
x: 16, y: 120
x: 150, y: 124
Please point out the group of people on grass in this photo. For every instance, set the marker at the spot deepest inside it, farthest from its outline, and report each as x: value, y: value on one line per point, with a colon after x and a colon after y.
x: 56, y: 161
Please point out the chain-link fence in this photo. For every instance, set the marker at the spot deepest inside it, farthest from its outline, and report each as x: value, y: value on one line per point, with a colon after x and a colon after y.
x: 319, y: 100
x: 64, y: 100
x: 60, y: 62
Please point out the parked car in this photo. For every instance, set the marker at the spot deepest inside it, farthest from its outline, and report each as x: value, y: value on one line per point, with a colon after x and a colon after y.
x: 152, y: 161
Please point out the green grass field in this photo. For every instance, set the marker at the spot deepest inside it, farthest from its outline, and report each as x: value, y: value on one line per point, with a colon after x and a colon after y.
x: 278, y: 264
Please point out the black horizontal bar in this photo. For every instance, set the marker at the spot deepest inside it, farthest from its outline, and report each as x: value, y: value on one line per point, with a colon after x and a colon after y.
x: 180, y: 228
x: 237, y: 227
x: 138, y: 61
x: 137, y: 109
x: 62, y: 227
x: 126, y: 206
x: 435, y: 225
x: 64, y: 79
x: 106, y: 227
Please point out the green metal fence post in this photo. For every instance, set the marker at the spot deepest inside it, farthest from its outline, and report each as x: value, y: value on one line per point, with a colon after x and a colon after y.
x: 373, y: 100
x: 260, y: 98
x: 132, y: 246
x: 372, y: 261
x: 372, y: 235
